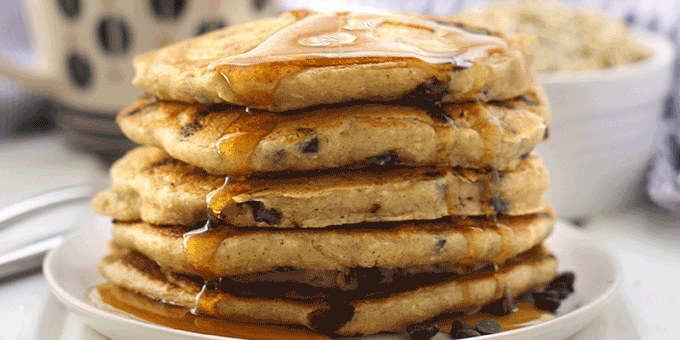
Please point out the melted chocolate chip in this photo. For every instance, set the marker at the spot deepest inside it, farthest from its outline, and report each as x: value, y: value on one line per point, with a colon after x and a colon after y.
x: 526, y: 297
x: 365, y: 276
x: 546, y: 134
x: 440, y: 245
x: 381, y: 159
x: 206, y: 109
x: 278, y: 157
x: 506, y: 105
x: 190, y: 129
x: 429, y: 96
x: 499, y: 205
x: 312, y: 146
x: 422, y: 331
x: 524, y: 156
x: 488, y: 326
x: 271, y: 217
x: 329, y: 319
x: 527, y: 101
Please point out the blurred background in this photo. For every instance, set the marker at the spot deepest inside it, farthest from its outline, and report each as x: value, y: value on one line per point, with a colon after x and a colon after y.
x: 66, y: 70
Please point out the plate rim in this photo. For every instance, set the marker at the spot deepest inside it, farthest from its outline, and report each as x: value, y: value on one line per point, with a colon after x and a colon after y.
x: 88, y: 310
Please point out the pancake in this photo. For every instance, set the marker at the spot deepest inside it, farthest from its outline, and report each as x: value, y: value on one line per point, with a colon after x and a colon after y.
x: 225, y: 251
x: 150, y: 185
x: 285, y: 63
x: 229, y: 140
x: 329, y: 311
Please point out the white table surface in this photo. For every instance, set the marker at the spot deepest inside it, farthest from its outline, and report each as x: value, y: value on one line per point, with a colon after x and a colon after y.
x: 645, y: 239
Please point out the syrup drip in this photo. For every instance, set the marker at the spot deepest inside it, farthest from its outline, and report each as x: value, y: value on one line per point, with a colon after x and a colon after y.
x: 181, y: 318
x: 345, y: 38
x: 238, y: 142
x: 200, y: 246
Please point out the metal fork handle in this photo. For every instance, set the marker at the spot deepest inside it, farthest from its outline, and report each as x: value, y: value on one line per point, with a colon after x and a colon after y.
x: 46, y: 200
x: 29, y: 256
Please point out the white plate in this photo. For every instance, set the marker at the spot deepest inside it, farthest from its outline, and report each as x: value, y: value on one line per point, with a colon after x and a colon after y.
x: 71, y: 271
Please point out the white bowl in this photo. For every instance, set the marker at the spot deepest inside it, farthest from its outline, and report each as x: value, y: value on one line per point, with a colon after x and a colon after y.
x: 602, y: 131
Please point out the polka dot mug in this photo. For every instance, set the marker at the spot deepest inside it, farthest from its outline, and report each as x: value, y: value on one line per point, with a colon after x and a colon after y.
x: 84, y: 48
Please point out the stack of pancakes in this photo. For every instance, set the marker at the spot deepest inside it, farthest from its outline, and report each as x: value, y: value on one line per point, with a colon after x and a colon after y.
x: 352, y: 177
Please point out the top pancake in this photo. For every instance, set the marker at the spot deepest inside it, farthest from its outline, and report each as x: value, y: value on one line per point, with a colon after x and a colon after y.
x: 305, y: 58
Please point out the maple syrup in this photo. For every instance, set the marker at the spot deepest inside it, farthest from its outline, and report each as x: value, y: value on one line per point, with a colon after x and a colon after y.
x: 349, y: 38
x: 181, y: 318
x: 176, y: 317
x: 525, y: 315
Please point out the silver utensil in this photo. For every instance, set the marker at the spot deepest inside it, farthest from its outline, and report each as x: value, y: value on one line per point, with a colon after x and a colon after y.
x: 28, y: 256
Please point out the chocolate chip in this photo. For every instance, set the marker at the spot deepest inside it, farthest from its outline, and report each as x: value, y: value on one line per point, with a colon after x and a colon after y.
x: 383, y: 158
x: 500, y: 307
x: 205, y: 109
x: 547, y: 293
x: 546, y: 134
x: 458, y: 326
x: 527, y: 101
x: 488, y: 326
x: 360, y: 276
x: 524, y: 156
x: 562, y: 293
x: 312, y: 146
x: 440, y: 245
x: 422, y: 331
x: 278, y: 157
x: 271, y: 217
x: 547, y: 302
x: 380, y: 159
x: 526, y: 297
x: 327, y: 320
x: 375, y: 208
x: 499, y: 205
x: 190, y: 129
x: 466, y: 333
x: 429, y: 96
x: 564, y: 280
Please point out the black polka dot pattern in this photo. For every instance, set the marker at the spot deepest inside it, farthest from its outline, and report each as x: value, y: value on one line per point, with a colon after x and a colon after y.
x: 70, y: 8
x: 79, y: 70
x: 210, y: 25
x: 168, y: 9
x: 114, y: 35
x: 259, y: 5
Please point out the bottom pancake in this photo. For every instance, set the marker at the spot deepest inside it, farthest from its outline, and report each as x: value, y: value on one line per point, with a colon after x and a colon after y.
x: 329, y: 311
